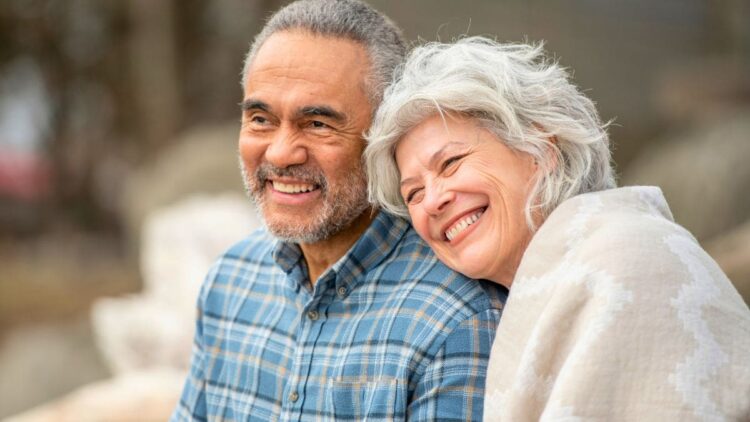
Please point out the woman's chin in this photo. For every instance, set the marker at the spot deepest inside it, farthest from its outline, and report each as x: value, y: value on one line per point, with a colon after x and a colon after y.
x: 471, y: 271
x: 473, y: 265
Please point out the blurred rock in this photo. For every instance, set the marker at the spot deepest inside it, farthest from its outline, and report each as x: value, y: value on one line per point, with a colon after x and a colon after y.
x: 701, y: 88
x: 154, y: 329
x: 704, y: 173
x: 142, y: 397
x: 135, y: 333
x: 145, y: 338
x: 732, y: 252
x: 204, y: 160
x: 42, y: 362
x: 56, y: 276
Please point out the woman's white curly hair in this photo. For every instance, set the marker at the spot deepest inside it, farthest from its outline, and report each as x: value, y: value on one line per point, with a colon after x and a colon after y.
x: 512, y: 90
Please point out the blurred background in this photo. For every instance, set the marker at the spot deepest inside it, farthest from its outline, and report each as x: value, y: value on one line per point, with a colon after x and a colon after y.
x: 119, y: 182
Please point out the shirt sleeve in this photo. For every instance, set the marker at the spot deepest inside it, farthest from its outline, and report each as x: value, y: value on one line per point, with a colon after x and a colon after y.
x: 452, y: 386
x: 192, y: 404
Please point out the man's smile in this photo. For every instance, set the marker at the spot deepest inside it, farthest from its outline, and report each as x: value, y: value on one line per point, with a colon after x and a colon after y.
x: 293, y: 187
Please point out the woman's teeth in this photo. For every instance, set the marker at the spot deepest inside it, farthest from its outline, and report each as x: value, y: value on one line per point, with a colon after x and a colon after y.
x: 292, y: 188
x: 462, y: 224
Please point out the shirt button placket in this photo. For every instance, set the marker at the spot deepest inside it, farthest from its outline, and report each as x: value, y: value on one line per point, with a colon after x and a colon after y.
x: 313, y: 315
x: 293, y: 396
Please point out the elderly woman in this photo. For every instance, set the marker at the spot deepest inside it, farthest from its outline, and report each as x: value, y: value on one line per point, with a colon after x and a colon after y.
x: 615, y: 312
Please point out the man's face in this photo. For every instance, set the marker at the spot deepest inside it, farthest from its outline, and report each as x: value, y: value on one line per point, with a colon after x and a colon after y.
x: 303, y: 114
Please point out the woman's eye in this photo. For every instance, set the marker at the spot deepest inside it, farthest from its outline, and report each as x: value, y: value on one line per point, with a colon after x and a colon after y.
x: 450, y: 161
x: 414, y: 196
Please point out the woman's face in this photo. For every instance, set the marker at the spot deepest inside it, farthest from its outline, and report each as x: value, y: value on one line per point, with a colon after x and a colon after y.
x: 466, y: 192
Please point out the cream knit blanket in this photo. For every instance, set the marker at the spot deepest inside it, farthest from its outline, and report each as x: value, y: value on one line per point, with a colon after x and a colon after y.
x: 616, y: 313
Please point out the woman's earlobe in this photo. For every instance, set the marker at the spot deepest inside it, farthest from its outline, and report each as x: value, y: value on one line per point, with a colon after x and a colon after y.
x: 553, y: 152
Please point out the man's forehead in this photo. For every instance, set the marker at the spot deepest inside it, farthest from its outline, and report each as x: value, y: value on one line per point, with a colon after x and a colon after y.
x: 293, y: 69
x: 302, y: 50
x: 286, y: 96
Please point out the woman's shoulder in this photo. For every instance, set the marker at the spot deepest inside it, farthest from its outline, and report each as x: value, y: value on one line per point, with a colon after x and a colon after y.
x: 611, y: 212
x: 618, y: 225
x: 627, y: 260
x: 621, y: 245
x: 617, y: 284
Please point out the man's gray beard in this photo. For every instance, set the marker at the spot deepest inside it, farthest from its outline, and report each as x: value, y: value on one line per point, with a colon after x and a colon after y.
x: 341, y: 205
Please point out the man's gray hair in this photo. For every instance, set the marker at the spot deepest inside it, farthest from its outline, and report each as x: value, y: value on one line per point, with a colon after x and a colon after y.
x: 348, y: 19
x: 513, y: 91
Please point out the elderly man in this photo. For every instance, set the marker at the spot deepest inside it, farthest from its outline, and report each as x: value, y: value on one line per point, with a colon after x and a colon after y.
x: 334, y: 311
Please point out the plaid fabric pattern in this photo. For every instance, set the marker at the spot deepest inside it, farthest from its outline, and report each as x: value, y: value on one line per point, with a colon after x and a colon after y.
x: 387, y: 333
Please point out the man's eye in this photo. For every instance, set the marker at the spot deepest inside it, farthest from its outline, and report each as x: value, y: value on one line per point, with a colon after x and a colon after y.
x: 256, y: 121
x: 318, y: 124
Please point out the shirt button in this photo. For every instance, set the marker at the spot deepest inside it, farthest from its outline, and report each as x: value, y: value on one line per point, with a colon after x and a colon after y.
x: 313, y: 315
x: 293, y: 396
x: 342, y: 291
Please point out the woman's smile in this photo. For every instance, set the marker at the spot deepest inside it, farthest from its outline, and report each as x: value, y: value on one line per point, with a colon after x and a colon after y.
x: 466, y: 194
x: 457, y: 230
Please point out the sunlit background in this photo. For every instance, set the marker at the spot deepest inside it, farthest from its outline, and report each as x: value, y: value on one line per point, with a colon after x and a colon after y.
x: 119, y: 182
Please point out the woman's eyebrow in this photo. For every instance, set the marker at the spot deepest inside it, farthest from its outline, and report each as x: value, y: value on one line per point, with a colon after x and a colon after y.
x: 439, y: 154
x: 434, y: 160
x: 407, y: 181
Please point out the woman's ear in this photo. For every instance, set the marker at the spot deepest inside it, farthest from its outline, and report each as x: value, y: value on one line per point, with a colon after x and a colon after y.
x: 551, y: 151
x: 551, y: 154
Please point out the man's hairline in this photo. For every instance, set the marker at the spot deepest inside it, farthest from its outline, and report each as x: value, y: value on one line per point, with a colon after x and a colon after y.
x: 247, y: 66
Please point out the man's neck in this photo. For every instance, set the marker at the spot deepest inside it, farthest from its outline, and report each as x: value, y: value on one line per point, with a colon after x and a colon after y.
x: 322, y: 255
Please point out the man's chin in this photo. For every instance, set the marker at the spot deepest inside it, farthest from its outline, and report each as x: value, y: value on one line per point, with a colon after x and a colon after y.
x: 317, y: 221
x: 294, y: 228
x: 294, y: 235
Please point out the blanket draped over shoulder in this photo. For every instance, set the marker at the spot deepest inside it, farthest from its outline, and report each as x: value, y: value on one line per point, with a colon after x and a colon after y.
x: 617, y: 313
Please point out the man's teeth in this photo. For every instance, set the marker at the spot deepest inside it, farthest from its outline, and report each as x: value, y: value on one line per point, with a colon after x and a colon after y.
x: 292, y: 188
x: 462, y: 224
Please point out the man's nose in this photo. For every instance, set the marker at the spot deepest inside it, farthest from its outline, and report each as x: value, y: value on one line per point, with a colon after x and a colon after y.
x: 286, y: 149
x: 437, y: 198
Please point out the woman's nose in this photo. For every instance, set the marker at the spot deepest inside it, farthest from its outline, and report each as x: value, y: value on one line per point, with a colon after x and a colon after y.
x: 285, y: 149
x: 437, y: 199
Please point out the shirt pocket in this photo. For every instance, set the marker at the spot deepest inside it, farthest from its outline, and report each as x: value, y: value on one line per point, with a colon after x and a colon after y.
x: 366, y: 400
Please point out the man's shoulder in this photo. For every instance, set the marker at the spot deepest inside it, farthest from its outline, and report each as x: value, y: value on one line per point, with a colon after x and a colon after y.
x: 414, y: 265
x: 252, y: 254
x: 257, y: 246
x: 246, y: 266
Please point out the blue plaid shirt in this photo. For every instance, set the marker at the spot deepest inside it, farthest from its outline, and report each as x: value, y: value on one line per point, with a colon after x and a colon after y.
x: 388, y: 332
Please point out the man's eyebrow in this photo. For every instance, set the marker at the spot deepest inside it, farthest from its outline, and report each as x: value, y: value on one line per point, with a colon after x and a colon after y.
x: 322, y: 111
x: 252, y: 104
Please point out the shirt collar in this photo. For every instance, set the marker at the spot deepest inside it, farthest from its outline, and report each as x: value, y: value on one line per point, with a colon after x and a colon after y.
x: 367, y: 252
